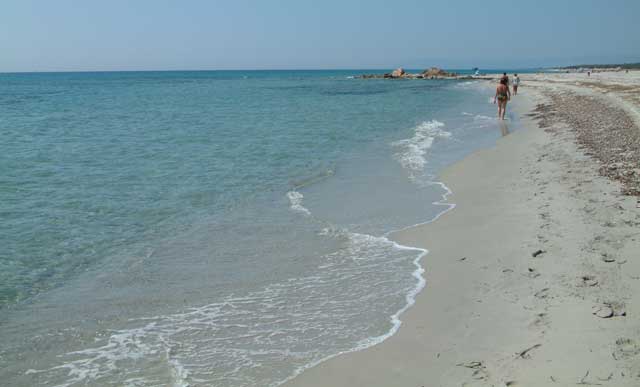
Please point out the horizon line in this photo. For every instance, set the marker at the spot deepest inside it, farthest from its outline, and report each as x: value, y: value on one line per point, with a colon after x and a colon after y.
x: 272, y: 69
x: 492, y: 68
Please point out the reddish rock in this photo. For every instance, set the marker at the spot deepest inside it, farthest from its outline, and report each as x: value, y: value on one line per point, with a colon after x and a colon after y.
x: 398, y: 73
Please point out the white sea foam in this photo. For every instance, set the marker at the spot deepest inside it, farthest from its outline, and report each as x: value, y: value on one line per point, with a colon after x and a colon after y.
x: 241, y: 337
x: 479, y: 121
x: 466, y: 84
x: 412, y: 151
x: 480, y: 117
x: 295, y: 200
x: 411, y: 295
x: 250, y: 339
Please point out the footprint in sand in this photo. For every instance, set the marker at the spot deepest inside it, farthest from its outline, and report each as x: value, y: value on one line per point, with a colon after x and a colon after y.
x: 587, y: 281
x: 540, y: 321
x: 479, y: 369
x: 532, y: 273
x: 625, y: 349
x: 542, y: 294
x: 609, y: 309
x: 606, y: 257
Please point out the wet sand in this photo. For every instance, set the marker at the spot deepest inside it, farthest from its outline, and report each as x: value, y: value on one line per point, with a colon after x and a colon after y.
x: 533, y: 279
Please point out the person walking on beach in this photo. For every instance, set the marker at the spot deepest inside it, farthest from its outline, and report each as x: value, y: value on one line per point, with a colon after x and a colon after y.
x: 516, y: 83
x: 502, y: 96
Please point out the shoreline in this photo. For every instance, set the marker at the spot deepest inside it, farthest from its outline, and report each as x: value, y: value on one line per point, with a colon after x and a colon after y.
x: 82, y: 361
x: 491, y: 314
x: 410, y: 296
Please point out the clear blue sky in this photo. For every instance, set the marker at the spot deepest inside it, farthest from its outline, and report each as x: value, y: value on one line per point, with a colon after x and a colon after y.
x: 264, y: 34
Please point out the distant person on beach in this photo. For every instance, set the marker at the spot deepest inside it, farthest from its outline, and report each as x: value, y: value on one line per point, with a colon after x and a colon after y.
x: 516, y: 83
x: 502, y: 96
x: 505, y: 76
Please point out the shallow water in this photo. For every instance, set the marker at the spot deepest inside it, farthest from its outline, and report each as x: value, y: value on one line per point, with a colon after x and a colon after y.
x: 214, y: 228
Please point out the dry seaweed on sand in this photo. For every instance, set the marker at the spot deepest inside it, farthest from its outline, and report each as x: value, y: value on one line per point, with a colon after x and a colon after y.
x: 605, y: 132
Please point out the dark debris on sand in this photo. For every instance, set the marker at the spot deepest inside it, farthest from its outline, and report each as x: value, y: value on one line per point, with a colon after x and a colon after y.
x: 605, y: 132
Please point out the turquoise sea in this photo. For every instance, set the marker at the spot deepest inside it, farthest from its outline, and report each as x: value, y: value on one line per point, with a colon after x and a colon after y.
x: 215, y: 228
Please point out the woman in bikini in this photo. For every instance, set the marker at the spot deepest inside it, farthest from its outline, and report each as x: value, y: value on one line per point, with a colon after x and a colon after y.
x: 502, y: 96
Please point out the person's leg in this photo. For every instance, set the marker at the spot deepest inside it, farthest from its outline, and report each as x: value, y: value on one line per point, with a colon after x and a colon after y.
x: 499, y: 109
x: 504, y: 108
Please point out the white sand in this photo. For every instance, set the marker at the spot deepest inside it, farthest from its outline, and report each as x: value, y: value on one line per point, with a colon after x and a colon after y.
x: 491, y: 314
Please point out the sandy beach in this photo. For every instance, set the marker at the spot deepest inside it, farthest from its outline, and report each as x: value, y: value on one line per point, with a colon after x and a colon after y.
x: 320, y: 194
x: 532, y: 280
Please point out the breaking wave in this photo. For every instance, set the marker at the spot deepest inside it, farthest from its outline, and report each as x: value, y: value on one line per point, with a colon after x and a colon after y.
x: 412, y: 152
x: 295, y: 200
x: 271, y: 334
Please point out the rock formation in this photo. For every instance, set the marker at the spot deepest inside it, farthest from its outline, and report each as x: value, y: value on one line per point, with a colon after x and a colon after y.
x: 400, y: 73
x: 435, y: 72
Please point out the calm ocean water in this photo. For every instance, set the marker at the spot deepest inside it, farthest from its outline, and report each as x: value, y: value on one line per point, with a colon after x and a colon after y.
x: 214, y: 228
